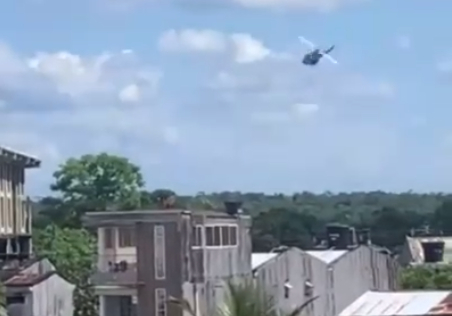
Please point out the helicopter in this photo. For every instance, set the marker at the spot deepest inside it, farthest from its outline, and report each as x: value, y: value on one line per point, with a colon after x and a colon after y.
x: 313, y: 57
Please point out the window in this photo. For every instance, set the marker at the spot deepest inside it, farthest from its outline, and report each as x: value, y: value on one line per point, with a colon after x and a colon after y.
x: 160, y: 302
x: 287, y: 287
x: 233, y: 235
x: 225, y: 236
x: 197, y: 236
x: 108, y: 238
x: 125, y: 305
x: 219, y: 236
x: 126, y: 236
x: 159, y: 252
x: 213, y: 236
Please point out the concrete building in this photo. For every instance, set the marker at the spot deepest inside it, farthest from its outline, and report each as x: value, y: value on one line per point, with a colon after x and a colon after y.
x: 426, y: 249
x: 406, y: 303
x: 285, y: 276
x: 337, y: 277
x: 15, y: 213
x: 146, y: 257
x: 34, y: 288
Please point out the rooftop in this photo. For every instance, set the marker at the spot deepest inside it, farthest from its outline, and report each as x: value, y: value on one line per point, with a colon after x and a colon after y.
x: 405, y: 303
x: 415, y: 246
x: 29, y: 279
x: 259, y: 259
x: 327, y: 256
x: 131, y: 217
x: 26, y: 160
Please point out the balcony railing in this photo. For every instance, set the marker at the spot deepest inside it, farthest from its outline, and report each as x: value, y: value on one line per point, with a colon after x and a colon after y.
x: 115, y: 269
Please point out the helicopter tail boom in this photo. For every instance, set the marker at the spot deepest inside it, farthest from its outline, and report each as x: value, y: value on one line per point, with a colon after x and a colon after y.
x: 329, y: 50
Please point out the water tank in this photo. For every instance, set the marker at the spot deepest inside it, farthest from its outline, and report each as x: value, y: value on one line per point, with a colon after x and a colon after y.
x: 433, y: 251
x: 339, y: 236
x: 232, y: 207
x: 364, y: 236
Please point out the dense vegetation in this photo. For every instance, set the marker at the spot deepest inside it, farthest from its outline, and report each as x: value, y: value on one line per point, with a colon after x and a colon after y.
x: 105, y: 182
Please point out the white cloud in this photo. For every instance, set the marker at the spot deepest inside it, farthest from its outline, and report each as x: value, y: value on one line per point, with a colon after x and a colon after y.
x: 242, y: 47
x: 248, y: 49
x: 319, y: 5
x: 60, y: 104
x: 254, y: 112
x: 130, y: 94
x: 324, y: 5
x: 190, y: 40
x: 305, y: 109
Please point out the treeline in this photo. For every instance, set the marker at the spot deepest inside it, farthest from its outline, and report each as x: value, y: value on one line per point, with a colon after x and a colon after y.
x: 107, y: 182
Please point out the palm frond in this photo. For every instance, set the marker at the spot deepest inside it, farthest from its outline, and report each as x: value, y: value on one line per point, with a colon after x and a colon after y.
x: 245, y: 299
x: 182, y: 304
x: 297, y: 311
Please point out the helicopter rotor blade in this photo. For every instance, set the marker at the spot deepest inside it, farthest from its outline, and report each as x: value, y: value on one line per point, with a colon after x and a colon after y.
x: 306, y: 42
x: 331, y: 59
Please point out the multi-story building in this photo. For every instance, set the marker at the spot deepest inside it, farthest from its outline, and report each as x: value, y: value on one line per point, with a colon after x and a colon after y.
x: 147, y: 257
x: 15, y: 212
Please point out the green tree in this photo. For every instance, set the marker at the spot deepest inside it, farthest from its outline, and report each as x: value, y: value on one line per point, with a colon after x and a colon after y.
x: 96, y: 183
x: 73, y: 252
x: 246, y: 299
x: 283, y: 227
x: 427, y: 277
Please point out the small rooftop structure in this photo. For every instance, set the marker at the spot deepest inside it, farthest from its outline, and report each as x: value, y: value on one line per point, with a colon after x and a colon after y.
x: 417, y: 251
x: 405, y: 303
x: 26, y: 160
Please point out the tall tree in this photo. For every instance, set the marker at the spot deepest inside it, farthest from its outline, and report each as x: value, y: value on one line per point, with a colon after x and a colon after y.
x: 98, y: 182
x: 72, y: 251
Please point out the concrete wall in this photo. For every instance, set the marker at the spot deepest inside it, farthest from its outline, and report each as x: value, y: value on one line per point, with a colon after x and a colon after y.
x: 289, y: 267
x: 193, y: 272
x: 53, y: 297
x: 118, y: 306
x: 337, y: 283
x: 341, y: 282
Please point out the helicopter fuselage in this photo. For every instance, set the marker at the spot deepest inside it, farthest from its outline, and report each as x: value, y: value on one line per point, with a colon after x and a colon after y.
x: 312, y: 58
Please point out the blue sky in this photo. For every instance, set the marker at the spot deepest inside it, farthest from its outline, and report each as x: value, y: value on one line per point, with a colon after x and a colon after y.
x: 211, y: 95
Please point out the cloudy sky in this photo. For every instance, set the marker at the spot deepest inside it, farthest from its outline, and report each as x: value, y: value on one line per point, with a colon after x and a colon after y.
x: 210, y: 95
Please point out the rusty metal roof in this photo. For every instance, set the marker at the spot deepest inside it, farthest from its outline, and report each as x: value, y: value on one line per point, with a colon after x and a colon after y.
x: 28, y: 279
x: 405, y: 303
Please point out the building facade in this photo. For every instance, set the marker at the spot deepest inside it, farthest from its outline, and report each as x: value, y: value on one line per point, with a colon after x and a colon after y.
x: 336, y: 277
x: 15, y: 212
x: 147, y: 257
x: 35, y: 288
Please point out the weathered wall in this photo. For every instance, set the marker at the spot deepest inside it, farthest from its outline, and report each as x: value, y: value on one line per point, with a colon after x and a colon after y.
x: 337, y: 283
x: 53, y: 297
x: 292, y: 267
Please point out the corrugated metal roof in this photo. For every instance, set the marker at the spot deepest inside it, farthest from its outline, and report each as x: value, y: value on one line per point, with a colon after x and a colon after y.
x: 327, y: 256
x: 258, y: 259
x: 410, y: 303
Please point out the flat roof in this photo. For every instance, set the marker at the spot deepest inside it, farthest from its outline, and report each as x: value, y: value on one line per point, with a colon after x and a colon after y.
x: 113, y: 218
x: 28, y: 161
